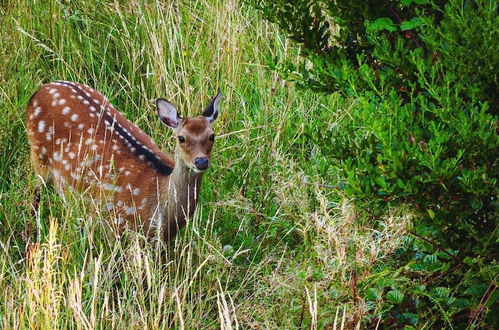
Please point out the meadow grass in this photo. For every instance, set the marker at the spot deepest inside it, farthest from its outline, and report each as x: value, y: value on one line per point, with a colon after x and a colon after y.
x: 273, y: 244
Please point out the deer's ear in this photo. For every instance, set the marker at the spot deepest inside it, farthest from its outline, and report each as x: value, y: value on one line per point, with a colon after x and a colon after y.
x: 167, y: 113
x: 211, y: 111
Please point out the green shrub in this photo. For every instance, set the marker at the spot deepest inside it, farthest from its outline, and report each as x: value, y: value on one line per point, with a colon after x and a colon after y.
x: 422, y: 132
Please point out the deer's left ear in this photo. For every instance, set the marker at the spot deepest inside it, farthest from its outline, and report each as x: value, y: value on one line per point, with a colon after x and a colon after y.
x: 211, y: 111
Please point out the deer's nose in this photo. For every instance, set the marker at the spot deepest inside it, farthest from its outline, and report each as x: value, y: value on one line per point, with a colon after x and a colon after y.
x: 202, y: 163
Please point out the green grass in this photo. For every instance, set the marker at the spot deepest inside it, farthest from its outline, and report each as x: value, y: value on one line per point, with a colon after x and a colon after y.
x: 273, y: 243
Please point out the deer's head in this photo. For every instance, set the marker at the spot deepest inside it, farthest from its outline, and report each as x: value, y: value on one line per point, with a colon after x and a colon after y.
x: 195, y: 136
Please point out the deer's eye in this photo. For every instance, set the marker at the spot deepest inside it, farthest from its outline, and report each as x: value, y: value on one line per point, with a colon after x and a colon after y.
x: 212, y: 137
x: 181, y: 139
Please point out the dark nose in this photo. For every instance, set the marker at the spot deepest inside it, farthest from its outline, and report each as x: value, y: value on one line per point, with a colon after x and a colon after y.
x: 202, y: 163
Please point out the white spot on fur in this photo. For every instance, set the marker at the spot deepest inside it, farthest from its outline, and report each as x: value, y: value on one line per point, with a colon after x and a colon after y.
x: 110, y: 176
x: 129, y: 210
x: 41, y: 126
x: 66, y: 110
x: 143, y: 204
x: 37, y: 111
x: 111, y: 187
x: 74, y: 117
x: 119, y: 221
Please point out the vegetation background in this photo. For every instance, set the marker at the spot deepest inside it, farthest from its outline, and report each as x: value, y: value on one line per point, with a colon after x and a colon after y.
x: 290, y: 233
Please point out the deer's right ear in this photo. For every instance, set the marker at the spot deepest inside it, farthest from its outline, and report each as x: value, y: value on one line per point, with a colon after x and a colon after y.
x: 167, y: 113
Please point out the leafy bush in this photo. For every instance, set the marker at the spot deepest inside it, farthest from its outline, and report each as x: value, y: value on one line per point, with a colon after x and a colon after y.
x: 422, y: 132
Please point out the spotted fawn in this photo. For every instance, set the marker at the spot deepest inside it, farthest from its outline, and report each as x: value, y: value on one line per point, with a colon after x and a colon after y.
x: 80, y: 142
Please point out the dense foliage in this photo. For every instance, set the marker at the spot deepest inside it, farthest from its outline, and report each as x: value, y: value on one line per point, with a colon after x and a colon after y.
x: 422, y: 132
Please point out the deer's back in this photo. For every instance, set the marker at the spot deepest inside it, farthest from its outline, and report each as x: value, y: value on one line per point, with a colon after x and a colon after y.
x: 81, y: 142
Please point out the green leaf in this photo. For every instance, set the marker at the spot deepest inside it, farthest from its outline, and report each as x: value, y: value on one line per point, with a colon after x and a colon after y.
x: 476, y: 289
x: 411, y: 24
x: 476, y: 204
x: 441, y: 292
x: 461, y: 303
x: 431, y: 214
x: 373, y: 294
x: 379, y: 158
x: 492, y: 299
x: 469, y: 261
x: 395, y: 296
x: 408, y: 317
x: 384, y: 23
x: 384, y: 282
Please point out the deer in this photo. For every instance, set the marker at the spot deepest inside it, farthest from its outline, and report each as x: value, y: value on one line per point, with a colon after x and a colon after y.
x: 80, y: 142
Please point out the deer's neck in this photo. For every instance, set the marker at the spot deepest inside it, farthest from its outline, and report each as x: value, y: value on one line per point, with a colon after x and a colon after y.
x: 180, y: 197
